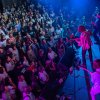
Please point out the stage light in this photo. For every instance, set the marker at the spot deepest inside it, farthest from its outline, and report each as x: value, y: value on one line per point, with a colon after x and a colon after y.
x: 79, y: 4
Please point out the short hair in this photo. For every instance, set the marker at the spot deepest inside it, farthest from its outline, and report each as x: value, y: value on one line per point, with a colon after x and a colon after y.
x: 81, y: 29
x: 96, y: 64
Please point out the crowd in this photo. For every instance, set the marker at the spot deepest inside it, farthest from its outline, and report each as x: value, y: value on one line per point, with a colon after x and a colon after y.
x: 31, y: 46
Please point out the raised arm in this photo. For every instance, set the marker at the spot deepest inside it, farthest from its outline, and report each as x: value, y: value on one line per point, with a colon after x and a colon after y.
x: 86, y: 70
x: 77, y: 40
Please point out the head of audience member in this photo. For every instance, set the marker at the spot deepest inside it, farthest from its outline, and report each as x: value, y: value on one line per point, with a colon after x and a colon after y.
x: 81, y: 29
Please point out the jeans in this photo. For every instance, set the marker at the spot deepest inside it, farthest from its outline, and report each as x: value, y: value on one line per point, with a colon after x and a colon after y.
x: 84, y: 54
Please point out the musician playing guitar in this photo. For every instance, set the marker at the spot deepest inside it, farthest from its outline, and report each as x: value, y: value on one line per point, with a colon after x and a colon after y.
x: 85, y: 42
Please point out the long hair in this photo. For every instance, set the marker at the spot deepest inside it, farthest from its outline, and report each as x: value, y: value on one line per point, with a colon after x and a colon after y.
x: 81, y: 29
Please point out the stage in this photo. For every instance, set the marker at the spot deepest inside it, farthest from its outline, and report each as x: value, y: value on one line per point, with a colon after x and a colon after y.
x: 78, y: 87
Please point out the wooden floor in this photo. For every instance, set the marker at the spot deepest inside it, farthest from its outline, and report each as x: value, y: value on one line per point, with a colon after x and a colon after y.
x: 78, y: 84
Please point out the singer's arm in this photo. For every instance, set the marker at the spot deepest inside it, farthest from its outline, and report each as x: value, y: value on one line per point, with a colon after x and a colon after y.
x: 86, y: 70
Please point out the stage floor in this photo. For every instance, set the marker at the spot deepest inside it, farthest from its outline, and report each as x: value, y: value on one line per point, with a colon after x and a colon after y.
x: 78, y: 87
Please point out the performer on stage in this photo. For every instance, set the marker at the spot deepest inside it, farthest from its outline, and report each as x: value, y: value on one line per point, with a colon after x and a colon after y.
x: 85, y: 42
x: 95, y: 78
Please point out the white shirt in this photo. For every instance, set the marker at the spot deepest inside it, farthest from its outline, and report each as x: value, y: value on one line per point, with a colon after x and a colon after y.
x: 51, y: 43
x: 59, y: 31
x: 95, y: 78
x: 51, y: 30
x: 26, y: 63
x: 3, y: 75
x: 11, y: 89
x: 16, y: 54
x: 6, y: 96
x: 49, y: 22
x: 9, y: 66
x: 29, y: 96
x: 2, y: 32
x: 22, y: 85
x: 51, y: 55
x: 6, y: 37
x: 43, y: 76
x: 3, y: 43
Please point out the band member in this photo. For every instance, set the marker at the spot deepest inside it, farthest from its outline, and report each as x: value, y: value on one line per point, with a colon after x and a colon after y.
x: 95, y: 78
x: 85, y: 42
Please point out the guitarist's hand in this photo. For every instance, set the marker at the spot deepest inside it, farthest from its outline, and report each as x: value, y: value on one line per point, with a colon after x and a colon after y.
x: 77, y: 39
